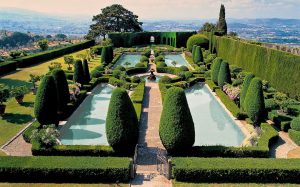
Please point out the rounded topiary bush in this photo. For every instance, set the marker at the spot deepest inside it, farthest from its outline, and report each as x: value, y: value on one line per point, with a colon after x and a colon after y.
x: 198, y: 55
x: 78, y: 72
x: 96, y: 74
x: 63, y: 94
x: 224, y: 74
x: 86, y: 72
x: 176, y: 128
x: 121, y: 68
x: 254, y: 102
x: 161, y: 64
x: 160, y: 58
x: 215, y: 70
x: 165, y: 79
x: 244, y: 90
x: 199, y: 40
x: 295, y: 124
x: 140, y: 65
x: 45, y: 105
x: 183, y: 68
x: 144, y: 59
x: 121, y: 122
x: 136, y: 79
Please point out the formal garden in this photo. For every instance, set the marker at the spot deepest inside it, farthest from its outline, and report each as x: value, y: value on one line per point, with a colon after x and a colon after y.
x: 190, y: 107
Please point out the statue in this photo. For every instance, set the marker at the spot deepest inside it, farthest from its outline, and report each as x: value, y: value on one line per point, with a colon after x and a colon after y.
x: 152, y: 77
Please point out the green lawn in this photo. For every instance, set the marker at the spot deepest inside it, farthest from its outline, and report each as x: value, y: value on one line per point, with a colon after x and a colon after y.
x: 181, y: 184
x: 17, y: 116
x: 59, y: 185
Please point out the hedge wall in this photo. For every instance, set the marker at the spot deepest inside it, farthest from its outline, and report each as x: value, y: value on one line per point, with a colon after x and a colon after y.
x: 233, y: 170
x: 280, y: 68
x: 8, y: 66
x: 51, y: 54
x: 64, y: 169
x: 175, y: 39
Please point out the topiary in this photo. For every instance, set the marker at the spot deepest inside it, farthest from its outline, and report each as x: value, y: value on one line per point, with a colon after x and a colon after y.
x: 176, y: 128
x: 224, y: 74
x: 121, y: 122
x: 96, y: 74
x: 244, y: 90
x: 106, y: 55
x: 193, y: 52
x: 116, y: 73
x: 135, y: 79
x: 199, y: 40
x: 165, y: 79
x: 78, y: 72
x: 62, y: 88
x: 140, y: 65
x: 144, y: 59
x: 198, y: 55
x: 159, y: 59
x: 215, y: 70
x: 188, y: 75
x: 183, y: 68
x: 45, y: 106
x: 161, y: 64
x: 254, y: 102
x: 121, y: 68
x: 295, y: 124
x: 99, y: 68
x: 86, y: 72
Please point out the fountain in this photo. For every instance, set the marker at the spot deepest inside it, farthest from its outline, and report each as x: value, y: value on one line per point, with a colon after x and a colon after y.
x: 152, y: 77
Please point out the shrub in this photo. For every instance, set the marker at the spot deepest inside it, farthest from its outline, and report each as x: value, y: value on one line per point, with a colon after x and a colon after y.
x: 138, y: 93
x: 45, y: 105
x: 199, y: 40
x: 4, y: 93
x: 244, y: 90
x: 254, y: 101
x: 161, y: 64
x: 215, y: 70
x: 86, y: 72
x: 116, y: 73
x: 46, y: 137
x: 135, y: 79
x: 121, y: 122
x: 224, y: 74
x: 78, y: 72
x: 140, y: 65
x: 99, y: 68
x: 62, y: 88
x: 96, y: 74
x: 144, y: 59
x: 165, y: 79
x: 295, y: 124
x: 106, y: 56
x: 188, y: 75
x: 295, y: 136
x: 27, y: 134
x: 270, y: 104
x: 237, y: 82
x: 176, y: 128
x: 120, y: 68
x: 160, y: 58
x: 198, y: 55
x: 183, y: 68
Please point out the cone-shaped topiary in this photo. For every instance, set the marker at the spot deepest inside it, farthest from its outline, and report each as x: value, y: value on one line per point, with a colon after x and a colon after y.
x: 110, y: 54
x: 62, y: 88
x: 244, y: 90
x: 224, y: 74
x: 254, y: 101
x: 106, y: 55
x: 86, y: 72
x: 121, y: 122
x: 176, y: 129
x: 193, y: 52
x: 198, y: 55
x: 215, y: 70
x: 45, y: 106
x: 199, y: 40
x: 78, y: 72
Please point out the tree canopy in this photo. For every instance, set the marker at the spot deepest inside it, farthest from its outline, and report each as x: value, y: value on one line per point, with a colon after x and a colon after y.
x: 114, y: 18
x: 208, y: 27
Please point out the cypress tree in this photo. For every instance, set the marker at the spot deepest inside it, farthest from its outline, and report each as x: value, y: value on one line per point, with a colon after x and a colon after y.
x: 254, y: 101
x: 215, y: 70
x: 193, y: 52
x: 62, y: 88
x: 176, y: 130
x: 86, y: 72
x: 121, y: 122
x: 222, y: 25
x: 78, y: 72
x: 198, y: 55
x: 224, y: 74
x: 45, y: 105
x: 104, y: 56
x: 110, y: 54
x: 244, y: 90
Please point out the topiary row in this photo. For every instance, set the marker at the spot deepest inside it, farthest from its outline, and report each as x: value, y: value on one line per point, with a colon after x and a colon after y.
x: 220, y: 74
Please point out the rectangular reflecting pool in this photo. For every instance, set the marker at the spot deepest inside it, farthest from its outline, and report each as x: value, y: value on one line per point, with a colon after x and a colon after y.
x: 213, y: 125
x: 133, y: 59
x: 177, y: 58
x: 86, y: 126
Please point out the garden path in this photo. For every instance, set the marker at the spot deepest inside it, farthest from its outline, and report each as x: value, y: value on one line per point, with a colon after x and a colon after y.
x: 283, y: 146
x: 149, y: 141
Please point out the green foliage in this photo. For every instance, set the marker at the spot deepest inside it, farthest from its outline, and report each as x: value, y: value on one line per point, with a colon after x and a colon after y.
x: 43, y: 44
x: 140, y: 65
x: 222, y: 25
x: 215, y: 70
x: 78, y: 72
x: 236, y: 170
x: 224, y: 74
x: 96, y: 74
x: 254, y: 101
x: 244, y: 90
x: 176, y: 128
x: 121, y: 122
x: 15, y: 54
x: 45, y: 105
x: 106, y: 55
x: 86, y: 72
x: 198, y: 57
x: 46, y: 136
x: 208, y: 27
x: 69, y: 59
x: 135, y: 79
x: 138, y: 93
x: 4, y: 93
x: 62, y: 88
x: 295, y: 136
x: 165, y: 80
x: 18, y: 91
x: 295, y: 125
x: 160, y: 58
x: 183, y: 68
x: 64, y: 169
x: 193, y: 52
x: 199, y: 40
x: 144, y: 59
x: 161, y: 64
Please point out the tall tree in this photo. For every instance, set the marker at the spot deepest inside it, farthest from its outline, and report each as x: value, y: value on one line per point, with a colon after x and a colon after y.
x: 208, y: 27
x: 114, y: 18
x: 222, y: 25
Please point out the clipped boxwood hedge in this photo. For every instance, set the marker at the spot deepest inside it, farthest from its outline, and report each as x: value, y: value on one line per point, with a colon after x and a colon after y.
x: 138, y: 94
x: 233, y: 170
x: 64, y: 169
x: 7, y: 67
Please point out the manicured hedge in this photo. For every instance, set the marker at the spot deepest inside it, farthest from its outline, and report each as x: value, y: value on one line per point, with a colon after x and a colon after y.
x: 64, y: 169
x: 224, y: 74
x: 7, y: 67
x: 86, y: 72
x: 295, y: 136
x: 198, y: 40
x: 62, y: 88
x: 138, y: 94
x: 244, y: 90
x: 234, y: 170
x: 49, y: 55
x: 136, y: 70
x: 280, y: 68
x: 215, y: 70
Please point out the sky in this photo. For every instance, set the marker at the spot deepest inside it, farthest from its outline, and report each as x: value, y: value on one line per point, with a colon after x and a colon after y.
x: 165, y: 9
